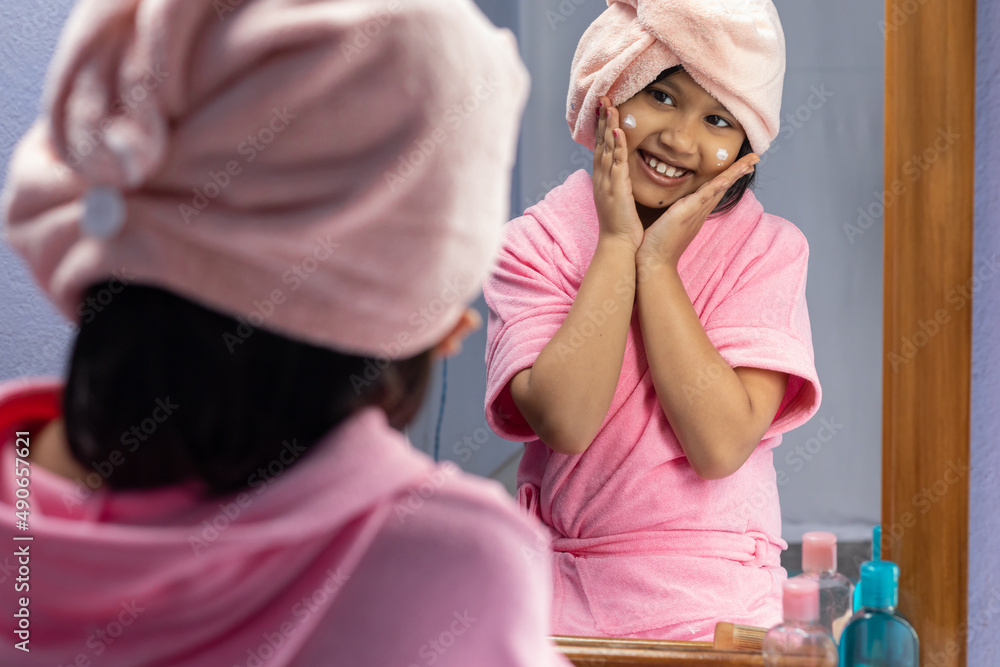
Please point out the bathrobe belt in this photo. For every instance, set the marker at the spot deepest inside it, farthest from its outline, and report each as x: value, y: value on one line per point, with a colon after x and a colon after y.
x: 751, y: 548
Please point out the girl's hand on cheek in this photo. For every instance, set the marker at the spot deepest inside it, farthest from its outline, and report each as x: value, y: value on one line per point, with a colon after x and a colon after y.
x: 616, y: 211
x: 667, y: 238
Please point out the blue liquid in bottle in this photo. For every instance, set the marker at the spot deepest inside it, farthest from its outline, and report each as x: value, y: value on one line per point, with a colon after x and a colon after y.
x: 877, y: 636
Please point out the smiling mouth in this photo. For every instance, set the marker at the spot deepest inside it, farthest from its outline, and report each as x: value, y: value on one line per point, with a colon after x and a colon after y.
x: 661, y: 172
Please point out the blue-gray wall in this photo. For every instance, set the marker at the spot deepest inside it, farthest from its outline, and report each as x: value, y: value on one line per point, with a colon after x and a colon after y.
x: 33, y: 336
x: 984, y: 519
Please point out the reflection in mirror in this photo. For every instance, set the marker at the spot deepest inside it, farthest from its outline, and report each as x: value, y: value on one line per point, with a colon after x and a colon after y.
x: 646, y: 544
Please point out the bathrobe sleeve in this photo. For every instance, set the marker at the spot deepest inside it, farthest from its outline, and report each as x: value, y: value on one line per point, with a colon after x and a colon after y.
x: 764, y: 323
x: 529, y: 295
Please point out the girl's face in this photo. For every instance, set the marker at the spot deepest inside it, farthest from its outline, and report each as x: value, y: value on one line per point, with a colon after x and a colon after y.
x: 680, y: 125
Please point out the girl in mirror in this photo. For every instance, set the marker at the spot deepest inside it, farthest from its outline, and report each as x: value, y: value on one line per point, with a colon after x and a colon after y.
x: 648, y: 336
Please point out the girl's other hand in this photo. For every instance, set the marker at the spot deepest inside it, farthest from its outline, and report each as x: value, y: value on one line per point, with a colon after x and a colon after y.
x: 616, y: 211
x: 667, y: 238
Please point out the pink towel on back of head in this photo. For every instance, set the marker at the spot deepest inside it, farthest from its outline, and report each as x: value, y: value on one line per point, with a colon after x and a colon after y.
x: 644, y: 547
x: 336, y: 171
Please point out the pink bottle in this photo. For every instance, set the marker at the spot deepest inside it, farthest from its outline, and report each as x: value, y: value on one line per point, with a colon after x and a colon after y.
x: 836, y: 592
x: 800, y: 640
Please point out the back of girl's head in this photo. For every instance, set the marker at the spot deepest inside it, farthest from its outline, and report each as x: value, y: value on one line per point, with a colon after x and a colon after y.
x: 153, y: 378
x: 349, y: 226
x: 352, y: 232
x: 736, y: 191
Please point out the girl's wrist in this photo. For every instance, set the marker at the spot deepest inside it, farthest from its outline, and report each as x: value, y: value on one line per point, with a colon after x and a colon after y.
x: 617, y: 240
x: 653, y: 272
x: 651, y: 262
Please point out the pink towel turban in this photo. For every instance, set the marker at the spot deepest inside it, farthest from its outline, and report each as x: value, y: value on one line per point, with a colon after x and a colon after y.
x: 734, y: 49
x: 334, y: 171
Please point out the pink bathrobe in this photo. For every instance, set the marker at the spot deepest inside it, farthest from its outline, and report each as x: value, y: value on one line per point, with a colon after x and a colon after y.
x: 363, y: 553
x: 643, y: 546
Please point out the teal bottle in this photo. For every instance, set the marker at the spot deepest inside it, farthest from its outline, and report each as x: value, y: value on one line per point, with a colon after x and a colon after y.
x: 877, y: 636
x: 876, y: 555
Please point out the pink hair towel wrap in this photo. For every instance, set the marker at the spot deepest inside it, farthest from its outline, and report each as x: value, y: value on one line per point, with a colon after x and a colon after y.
x: 337, y: 172
x: 734, y: 49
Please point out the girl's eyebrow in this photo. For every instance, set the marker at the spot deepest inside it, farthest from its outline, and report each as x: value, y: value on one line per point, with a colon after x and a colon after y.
x: 680, y: 93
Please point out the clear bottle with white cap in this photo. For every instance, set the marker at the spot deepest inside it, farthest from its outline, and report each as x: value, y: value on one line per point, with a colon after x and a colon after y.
x: 836, y: 592
x: 800, y: 640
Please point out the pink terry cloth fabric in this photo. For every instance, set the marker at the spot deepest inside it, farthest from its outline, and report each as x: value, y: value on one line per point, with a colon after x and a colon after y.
x: 643, y: 546
x: 367, y: 554
x: 326, y: 169
x: 734, y: 49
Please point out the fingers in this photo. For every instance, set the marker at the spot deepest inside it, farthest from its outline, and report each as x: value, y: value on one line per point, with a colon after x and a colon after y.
x: 611, y: 153
x: 604, y: 121
x: 710, y: 194
x: 621, y: 148
x: 607, y: 122
x: 600, y: 126
x: 601, y: 136
x: 740, y: 168
x: 606, y: 143
x: 610, y: 125
x: 619, y: 170
x: 713, y: 191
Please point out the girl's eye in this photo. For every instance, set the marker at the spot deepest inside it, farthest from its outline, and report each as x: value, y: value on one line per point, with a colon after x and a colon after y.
x: 663, y: 97
x: 714, y: 120
x: 658, y: 94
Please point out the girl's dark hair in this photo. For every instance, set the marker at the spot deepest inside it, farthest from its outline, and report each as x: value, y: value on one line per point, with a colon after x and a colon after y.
x: 162, y: 390
x: 735, y: 192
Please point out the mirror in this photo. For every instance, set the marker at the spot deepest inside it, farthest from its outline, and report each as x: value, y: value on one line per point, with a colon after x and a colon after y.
x: 919, y: 435
x: 828, y: 471
x: 931, y: 228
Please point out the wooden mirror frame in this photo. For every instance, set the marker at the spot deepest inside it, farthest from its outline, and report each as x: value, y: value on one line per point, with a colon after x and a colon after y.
x: 930, y: 96
x: 929, y: 234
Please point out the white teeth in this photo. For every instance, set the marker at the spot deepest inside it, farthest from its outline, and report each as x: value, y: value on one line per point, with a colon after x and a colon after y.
x: 664, y: 168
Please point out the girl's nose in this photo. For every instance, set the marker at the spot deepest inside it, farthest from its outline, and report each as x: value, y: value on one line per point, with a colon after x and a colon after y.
x: 679, y: 136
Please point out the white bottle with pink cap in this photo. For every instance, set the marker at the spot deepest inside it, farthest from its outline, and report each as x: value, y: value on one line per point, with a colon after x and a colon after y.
x: 836, y: 592
x: 800, y: 640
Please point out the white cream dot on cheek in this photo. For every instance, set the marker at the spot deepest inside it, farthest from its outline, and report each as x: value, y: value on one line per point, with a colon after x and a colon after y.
x: 722, y: 154
x: 629, y: 122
